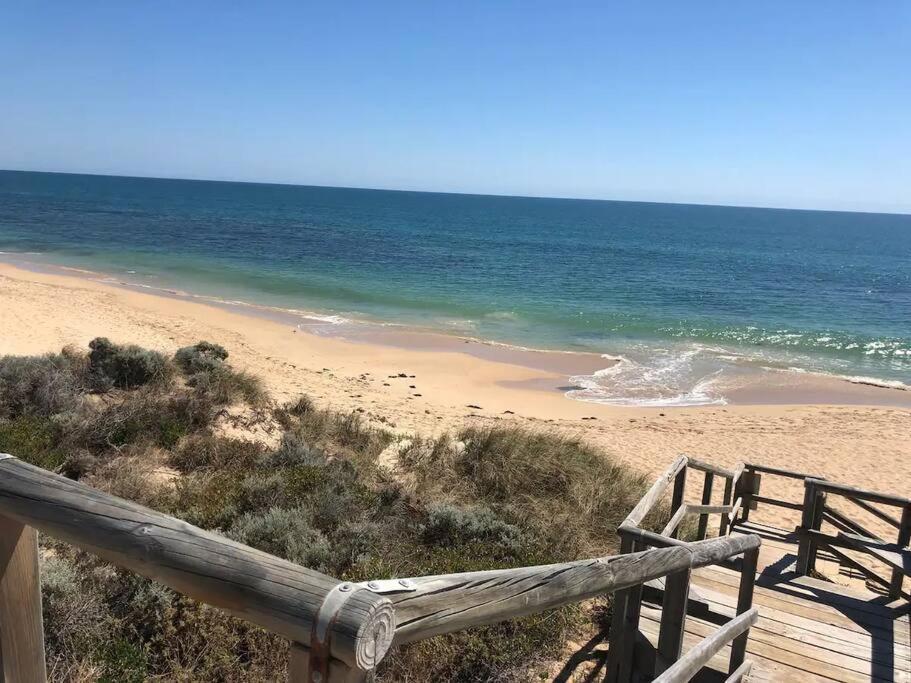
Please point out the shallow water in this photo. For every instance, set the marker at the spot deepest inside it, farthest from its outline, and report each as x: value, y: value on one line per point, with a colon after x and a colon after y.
x: 685, y: 296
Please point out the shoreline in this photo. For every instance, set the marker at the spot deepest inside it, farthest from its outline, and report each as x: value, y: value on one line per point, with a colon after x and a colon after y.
x: 759, y: 385
x: 429, y: 392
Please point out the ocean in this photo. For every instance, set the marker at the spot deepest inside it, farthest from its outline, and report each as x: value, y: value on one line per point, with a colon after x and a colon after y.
x: 684, y: 296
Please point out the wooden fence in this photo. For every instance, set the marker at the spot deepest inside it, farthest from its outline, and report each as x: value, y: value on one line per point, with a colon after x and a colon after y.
x: 338, y: 631
x: 669, y: 665
x: 848, y: 533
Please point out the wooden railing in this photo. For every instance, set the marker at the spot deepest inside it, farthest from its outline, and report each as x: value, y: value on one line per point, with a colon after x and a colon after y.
x: 669, y: 666
x: 338, y: 631
x: 852, y: 535
x: 816, y: 508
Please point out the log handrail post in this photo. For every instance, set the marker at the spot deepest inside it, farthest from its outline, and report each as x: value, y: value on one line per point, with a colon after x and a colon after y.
x: 706, y: 500
x: 904, y: 539
x: 21, y: 626
x: 624, y: 623
x: 748, y: 566
x: 673, y: 619
x: 811, y: 519
x: 678, y: 494
x: 727, y: 499
x: 744, y: 491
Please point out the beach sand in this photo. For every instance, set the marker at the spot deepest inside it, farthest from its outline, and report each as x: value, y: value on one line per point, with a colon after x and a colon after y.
x: 855, y: 434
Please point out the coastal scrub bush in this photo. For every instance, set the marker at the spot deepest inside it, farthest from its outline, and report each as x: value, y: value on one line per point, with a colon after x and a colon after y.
x: 204, y: 366
x: 283, y: 532
x: 451, y: 525
x: 201, y: 357
x: 125, y: 366
x: 568, y: 492
x: 34, y: 439
x: 208, y: 451
x: 42, y: 385
x: 142, y: 415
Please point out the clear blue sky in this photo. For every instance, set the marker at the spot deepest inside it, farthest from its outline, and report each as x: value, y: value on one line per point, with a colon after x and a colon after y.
x: 798, y: 103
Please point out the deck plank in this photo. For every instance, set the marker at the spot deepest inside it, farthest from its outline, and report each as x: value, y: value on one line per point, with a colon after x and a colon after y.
x: 808, y: 629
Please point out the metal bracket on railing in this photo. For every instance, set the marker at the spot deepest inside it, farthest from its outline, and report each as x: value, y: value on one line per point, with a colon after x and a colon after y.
x: 318, y: 662
x: 390, y: 586
x: 4, y: 456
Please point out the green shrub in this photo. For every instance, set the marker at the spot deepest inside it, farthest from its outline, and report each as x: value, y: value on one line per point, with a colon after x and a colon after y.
x: 125, y: 366
x: 77, y: 620
x: 143, y: 415
x: 296, y: 450
x: 563, y: 490
x: 202, y: 357
x: 286, y: 533
x: 34, y: 439
x: 224, y: 386
x: 42, y: 385
x: 450, y: 525
x: 199, y: 451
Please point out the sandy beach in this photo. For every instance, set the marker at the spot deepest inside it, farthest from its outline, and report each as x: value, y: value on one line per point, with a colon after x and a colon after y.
x: 429, y: 383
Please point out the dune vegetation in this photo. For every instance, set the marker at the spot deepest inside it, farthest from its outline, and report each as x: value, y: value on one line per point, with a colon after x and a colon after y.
x: 191, y: 436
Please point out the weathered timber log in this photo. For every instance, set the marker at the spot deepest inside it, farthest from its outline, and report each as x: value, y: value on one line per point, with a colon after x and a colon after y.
x: 846, y: 524
x: 740, y: 673
x: 707, y: 510
x: 862, y: 494
x: 278, y: 595
x: 779, y: 472
x: 674, y: 521
x: 673, y: 619
x: 777, y: 502
x: 21, y: 626
x: 709, y: 467
x: 727, y: 520
x: 706, y: 500
x: 451, y: 602
x: 653, y: 495
x: 690, y: 664
x: 876, y: 512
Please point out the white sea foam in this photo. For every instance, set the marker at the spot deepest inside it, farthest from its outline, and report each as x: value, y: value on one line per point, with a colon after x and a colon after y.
x: 876, y: 382
x: 654, y: 377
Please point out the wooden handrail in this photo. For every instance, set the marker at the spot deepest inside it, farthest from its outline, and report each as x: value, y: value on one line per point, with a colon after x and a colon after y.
x: 779, y: 472
x: 709, y: 467
x: 278, y: 595
x: 689, y: 665
x: 876, y: 512
x: 647, y: 502
x: 450, y: 602
x: 854, y: 492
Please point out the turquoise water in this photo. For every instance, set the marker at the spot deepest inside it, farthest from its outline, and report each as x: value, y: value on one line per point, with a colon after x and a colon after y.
x: 682, y: 293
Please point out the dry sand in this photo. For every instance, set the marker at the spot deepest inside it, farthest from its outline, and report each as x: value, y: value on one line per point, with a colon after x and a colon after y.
x: 865, y: 444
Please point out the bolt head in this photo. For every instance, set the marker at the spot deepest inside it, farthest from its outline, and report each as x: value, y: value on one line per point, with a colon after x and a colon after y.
x: 373, y: 585
x: 345, y: 587
x: 405, y: 583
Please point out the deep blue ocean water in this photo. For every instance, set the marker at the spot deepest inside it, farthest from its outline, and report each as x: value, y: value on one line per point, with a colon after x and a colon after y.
x: 680, y: 292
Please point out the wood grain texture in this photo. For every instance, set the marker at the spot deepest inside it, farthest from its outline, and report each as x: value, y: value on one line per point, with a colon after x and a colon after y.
x: 21, y: 628
x: 673, y: 620
x: 709, y: 467
x: 697, y: 657
x: 278, y: 595
x: 858, y: 493
x: 653, y: 495
x: 706, y: 500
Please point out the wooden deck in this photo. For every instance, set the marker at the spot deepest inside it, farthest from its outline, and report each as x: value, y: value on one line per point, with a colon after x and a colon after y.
x: 809, y: 629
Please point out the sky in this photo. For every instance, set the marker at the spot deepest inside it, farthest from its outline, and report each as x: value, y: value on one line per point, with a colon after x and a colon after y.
x: 801, y: 104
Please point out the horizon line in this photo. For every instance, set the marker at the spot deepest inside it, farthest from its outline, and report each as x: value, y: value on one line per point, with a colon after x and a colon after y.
x: 451, y: 192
